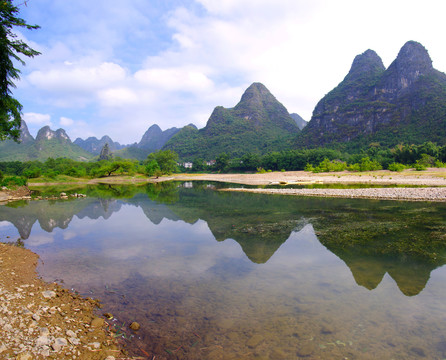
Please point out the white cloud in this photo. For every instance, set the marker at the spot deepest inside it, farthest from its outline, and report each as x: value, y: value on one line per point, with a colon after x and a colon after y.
x: 116, y: 97
x: 37, y: 119
x: 64, y: 121
x: 175, y: 79
x: 172, y: 63
x: 70, y: 78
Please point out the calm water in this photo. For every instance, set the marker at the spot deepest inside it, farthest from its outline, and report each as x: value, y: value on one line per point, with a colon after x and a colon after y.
x: 212, y: 275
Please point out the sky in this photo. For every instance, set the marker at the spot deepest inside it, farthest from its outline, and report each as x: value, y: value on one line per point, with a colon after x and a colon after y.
x: 115, y: 68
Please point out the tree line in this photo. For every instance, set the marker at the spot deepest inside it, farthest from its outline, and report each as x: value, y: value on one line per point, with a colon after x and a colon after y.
x: 375, y: 157
x: 165, y: 162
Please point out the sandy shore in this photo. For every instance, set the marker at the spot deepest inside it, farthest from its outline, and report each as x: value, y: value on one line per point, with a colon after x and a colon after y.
x: 431, y: 177
x: 40, y: 320
x: 434, y: 181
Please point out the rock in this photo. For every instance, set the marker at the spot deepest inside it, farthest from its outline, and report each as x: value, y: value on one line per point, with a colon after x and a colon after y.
x: 63, y: 194
x: 254, y: 341
x: 43, y: 340
x: 305, y: 350
x: 3, y: 348
x: 326, y: 329
x: 59, y: 343
x: 97, y: 322
x: 48, y: 294
x: 74, y: 341
x: 70, y: 333
x: 95, y: 345
x: 36, y: 317
x: 24, y: 356
x: 135, y: 326
x: 110, y: 358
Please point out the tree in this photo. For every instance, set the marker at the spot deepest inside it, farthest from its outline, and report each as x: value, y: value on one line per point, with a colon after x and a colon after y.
x: 166, y: 159
x: 222, y: 162
x: 10, y: 49
x: 152, y: 168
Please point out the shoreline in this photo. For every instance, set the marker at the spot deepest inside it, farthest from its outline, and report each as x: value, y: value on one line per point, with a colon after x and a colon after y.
x: 401, y: 194
x: 40, y: 320
x: 430, y: 177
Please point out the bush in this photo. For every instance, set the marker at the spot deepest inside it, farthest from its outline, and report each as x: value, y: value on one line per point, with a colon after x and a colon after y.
x: 14, y: 181
x: 396, y: 167
x: 365, y: 165
x: 419, y: 167
x: 309, y: 167
x: 328, y: 166
x: 32, y: 173
x: 152, y: 168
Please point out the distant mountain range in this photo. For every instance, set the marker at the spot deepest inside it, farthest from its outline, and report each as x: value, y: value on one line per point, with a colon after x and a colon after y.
x: 258, y: 124
x: 48, y: 143
x: 405, y: 103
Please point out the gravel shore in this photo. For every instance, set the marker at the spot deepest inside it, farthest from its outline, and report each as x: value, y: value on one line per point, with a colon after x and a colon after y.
x: 430, y: 177
x: 411, y: 194
x: 40, y: 320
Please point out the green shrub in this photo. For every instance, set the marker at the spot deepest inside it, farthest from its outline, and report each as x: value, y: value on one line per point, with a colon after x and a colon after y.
x: 32, y: 173
x: 152, y: 168
x: 396, y: 167
x: 11, y: 181
x: 328, y: 166
x: 419, y: 167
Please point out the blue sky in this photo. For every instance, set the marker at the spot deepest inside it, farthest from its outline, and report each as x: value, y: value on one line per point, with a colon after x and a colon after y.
x: 117, y: 67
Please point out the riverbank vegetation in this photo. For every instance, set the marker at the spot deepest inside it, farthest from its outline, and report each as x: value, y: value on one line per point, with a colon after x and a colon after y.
x: 166, y: 162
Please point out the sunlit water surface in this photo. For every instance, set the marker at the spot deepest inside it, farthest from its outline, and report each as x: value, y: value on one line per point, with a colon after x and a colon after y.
x: 239, y: 276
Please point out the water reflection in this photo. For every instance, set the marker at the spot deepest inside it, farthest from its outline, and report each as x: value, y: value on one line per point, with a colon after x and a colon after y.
x: 225, y: 276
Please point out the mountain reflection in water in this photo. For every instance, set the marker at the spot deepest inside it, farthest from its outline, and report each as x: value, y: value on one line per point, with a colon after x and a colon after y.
x: 184, y: 264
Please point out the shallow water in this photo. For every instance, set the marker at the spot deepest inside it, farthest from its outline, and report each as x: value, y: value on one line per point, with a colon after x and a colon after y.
x: 212, y: 275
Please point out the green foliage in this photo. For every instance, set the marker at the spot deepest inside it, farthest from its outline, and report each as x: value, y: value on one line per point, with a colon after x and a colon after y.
x: 32, y: 173
x: 328, y: 166
x: 257, y: 124
x: 365, y: 165
x: 426, y: 160
x: 166, y: 160
x: 198, y: 165
x: 109, y: 168
x: 10, y: 50
x: 12, y: 181
x: 222, y: 162
x: 419, y: 167
x: 152, y: 168
x: 309, y: 167
x: 396, y: 167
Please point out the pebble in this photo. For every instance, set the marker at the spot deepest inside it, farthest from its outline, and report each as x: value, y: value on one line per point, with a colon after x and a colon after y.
x: 305, y: 350
x: 48, y: 294
x: 59, y: 343
x: 32, y: 324
x: 415, y: 194
x: 254, y: 341
x: 97, y: 322
x: 135, y: 326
